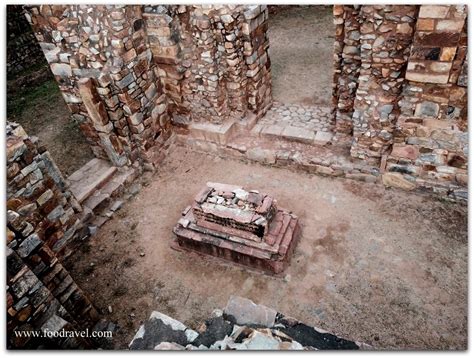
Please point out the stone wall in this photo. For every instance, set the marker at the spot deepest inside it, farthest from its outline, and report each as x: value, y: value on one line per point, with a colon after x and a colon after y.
x: 400, y: 90
x: 101, y: 60
x: 42, y: 218
x: 431, y: 140
x: 212, y: 60
x: 23, y: 51
x: 386, y: 34
x: 400, y: 77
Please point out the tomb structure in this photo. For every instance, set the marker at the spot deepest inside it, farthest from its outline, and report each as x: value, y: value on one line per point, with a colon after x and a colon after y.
x: 246, y: 227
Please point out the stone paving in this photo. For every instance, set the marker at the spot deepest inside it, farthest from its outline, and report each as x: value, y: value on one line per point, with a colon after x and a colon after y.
x: 306, y: 124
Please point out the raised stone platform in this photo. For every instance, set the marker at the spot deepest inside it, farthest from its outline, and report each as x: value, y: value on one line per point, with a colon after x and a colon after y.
x: 245, y: 227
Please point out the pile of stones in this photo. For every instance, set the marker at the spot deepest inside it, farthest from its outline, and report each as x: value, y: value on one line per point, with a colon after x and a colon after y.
x: 242, y: 325
x: 245, y: 227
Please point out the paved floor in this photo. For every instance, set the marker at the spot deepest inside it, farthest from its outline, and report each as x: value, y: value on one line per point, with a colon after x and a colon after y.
x: 384, y: 267
x: 307, y: 124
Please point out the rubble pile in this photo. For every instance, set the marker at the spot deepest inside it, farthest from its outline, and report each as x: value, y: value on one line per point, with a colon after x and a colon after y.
x: 242, y: 325
x: 246, y: 227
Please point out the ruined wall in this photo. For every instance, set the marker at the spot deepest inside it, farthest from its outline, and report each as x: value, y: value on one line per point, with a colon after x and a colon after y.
x: 347, y: 62
x: 212, y: 60
x: 101, y: 60
x: 400, y: 89
x: 42, y: 217
x: 400, y: 78
x: 431, y: 140
x: 23, y: 51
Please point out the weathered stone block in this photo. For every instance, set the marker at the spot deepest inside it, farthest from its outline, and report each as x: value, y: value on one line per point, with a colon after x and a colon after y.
x: 245, y: 312
x: 397, y: 180
x: 427, y: 109
x: 434, y: 11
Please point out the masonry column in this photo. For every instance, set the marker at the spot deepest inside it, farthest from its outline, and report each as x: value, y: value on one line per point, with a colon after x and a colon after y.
x: 386, y: 36
x: 346, y: 64
x: 100, y: 57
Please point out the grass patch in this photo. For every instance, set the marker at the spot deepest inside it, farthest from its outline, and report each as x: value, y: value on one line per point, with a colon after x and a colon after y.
x: 31, y: 97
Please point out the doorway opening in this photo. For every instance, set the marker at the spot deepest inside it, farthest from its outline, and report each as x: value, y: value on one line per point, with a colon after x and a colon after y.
x: 301, y: 52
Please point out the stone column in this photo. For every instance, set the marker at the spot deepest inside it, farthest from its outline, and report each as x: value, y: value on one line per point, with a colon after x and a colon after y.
x: 105, y: 47
x: 386, y: 36
x: 256, y: 44
x: 212, y: 59
x: 346, y: 64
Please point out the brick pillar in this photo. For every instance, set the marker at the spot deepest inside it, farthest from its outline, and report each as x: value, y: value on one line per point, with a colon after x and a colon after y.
x: 386, y: 36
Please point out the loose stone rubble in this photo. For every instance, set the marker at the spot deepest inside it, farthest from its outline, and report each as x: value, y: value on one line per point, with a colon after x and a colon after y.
x: 246, y: 227
x: 242, y: 325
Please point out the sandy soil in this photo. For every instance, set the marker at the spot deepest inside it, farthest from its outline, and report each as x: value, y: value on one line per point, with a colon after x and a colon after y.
x: 301, y: 53
x: 40, y: 108
x: 388, y: 268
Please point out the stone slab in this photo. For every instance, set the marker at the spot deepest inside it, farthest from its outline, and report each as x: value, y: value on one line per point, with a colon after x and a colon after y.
x: 217, y: 133
x: 246, y: 312
x: 298, y: 134
x: 90, y: 177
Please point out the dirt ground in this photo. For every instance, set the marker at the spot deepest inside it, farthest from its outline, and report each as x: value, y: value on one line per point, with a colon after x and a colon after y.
x: 34, y: 101
x: 301, y: 53
x: 384, y: 267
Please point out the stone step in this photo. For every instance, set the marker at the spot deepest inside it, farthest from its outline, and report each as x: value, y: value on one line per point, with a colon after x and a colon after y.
x: 90, y: 177
x: 217, y: 133
x: 292, y: 134
x: 101, y: 199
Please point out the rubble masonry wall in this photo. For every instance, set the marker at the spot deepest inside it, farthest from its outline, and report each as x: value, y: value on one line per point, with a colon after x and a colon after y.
x: 42, y: 218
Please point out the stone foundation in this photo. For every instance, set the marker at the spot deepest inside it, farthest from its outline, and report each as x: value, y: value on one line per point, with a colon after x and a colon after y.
x: 245, y: 227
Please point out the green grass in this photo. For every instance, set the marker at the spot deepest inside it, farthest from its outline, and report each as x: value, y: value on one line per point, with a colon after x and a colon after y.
x: 27, y: 71
x: 46, y: 93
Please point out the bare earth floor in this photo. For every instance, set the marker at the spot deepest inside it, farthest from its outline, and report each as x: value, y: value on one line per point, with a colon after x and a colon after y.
x: 301, y: 52
x: 384, y: 267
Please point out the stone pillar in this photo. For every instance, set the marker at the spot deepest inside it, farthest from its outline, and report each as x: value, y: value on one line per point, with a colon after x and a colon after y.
x: 100, y: 121
x: 105, y: 47
x: 346, y: 64
x: 386, y: 36
x: 212, y: 59
x: 256, y: 44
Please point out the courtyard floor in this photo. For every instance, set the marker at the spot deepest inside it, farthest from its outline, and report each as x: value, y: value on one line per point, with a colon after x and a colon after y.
x: 384, y: 267
x: 301, y: 53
